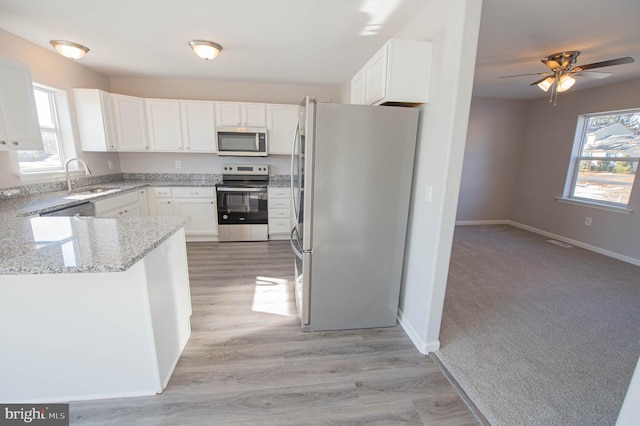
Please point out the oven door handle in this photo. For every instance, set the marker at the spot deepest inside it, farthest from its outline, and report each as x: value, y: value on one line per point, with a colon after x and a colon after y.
x: 228, y: 189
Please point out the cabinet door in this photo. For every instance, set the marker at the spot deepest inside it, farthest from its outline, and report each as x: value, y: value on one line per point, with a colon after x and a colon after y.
x: 281, y: 124
x: 164, y: 124
x: 130, y: 122
x: 202, y: 212
x: 96, y: 121
x: 228, y: 114
x: 4, y: 144
x: 241, y: 114
x: 18, y: 107
x: 357, y: 88
x: 254, y: 115
x: 143, y: 201
x: 164, y: 207
x: 109, y: 121
x: 198, y: 126
x: 375, y: 80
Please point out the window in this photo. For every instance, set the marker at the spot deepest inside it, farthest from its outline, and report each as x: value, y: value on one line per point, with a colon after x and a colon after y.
x: 606, y: 156
x: 52, y: 157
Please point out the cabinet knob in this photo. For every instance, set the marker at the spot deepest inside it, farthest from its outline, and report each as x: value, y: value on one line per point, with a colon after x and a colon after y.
x: 15, y: 143
x: 3, y: 142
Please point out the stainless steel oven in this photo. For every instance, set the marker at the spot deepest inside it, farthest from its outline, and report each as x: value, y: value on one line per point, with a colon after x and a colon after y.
x: 242, y: 203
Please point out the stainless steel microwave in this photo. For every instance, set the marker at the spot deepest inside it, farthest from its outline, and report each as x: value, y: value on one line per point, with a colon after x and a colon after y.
x: 242, y: 141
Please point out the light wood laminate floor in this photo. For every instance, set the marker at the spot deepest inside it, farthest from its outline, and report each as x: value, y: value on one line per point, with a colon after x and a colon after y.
x: 248, y: 362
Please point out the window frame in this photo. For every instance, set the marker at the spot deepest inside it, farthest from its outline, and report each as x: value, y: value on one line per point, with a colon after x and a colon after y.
x: 576, y: 158
x: 66, y: 145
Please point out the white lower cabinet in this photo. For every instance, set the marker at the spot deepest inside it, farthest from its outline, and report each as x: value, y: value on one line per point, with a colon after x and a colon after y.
x: 199, y: 203
x: 127, y: 204
x: 280, y: 223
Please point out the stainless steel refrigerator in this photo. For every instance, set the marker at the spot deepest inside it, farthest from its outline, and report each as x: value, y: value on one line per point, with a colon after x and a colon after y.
x: 351, y: 169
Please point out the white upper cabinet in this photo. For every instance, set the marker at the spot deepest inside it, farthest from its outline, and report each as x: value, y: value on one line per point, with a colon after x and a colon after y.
x: 181, y: 126
x: 96, y: 121
x: 281, y: 126
x: 130, y: 123
x: 241, y: 114
x: 164, y: 124
x: 198, y: 126
x: 399, y: 73
x: 19, y: 126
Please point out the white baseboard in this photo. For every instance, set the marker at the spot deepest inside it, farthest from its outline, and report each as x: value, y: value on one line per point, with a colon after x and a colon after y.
x: 483, y: 222
x: 423, y: 346
x: 562, y: 238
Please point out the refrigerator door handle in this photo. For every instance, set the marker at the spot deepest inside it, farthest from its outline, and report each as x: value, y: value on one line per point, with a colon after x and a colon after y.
x: 295, y: 249
x: 293, y: 156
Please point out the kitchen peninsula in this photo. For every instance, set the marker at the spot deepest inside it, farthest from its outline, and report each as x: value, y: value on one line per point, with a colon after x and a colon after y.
x: 91, y: 307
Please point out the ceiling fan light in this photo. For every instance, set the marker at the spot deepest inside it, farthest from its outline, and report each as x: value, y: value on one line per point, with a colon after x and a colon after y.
x: 69, y: 49
x: 205, y: 49
x: 565, y: 82
x: 546, y: 83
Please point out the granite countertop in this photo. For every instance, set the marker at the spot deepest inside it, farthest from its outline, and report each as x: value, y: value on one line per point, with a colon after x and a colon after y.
x: 53, y: 245
x: 43, y: 245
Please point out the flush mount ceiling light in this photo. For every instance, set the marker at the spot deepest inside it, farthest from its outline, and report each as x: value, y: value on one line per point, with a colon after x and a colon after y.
x: 205, y: 49
x: 69, y: 49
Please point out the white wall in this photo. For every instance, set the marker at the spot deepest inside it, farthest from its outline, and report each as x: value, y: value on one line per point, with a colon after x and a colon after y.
x: 195, y: 89
x: 548, y: 139
x: 453, y: 26
x: 491, y: 159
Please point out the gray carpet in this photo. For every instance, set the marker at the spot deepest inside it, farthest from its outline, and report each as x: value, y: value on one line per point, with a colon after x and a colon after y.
x: 538, y: 334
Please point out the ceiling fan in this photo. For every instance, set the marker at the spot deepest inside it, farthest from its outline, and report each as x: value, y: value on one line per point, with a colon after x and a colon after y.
x: 563, y: 68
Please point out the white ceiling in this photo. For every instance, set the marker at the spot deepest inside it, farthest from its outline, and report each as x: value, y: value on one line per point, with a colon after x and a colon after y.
x: 322, y: 42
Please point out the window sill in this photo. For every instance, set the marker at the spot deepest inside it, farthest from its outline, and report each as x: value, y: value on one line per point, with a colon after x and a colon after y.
x: 594, y: 205
x: 39, y: 177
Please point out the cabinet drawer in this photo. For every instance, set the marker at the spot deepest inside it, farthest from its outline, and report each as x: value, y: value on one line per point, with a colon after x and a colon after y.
x: 279, y: 192
x: 279, y: 203
x: 194, y: 192
x: 162, y: 192
x: 282, y: 226
x: 279, y: 213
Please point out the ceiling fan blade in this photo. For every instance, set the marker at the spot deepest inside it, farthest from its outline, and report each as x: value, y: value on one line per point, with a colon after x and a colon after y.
x: 522, y: 75
x: 541, y: 80
x: 550, y: 63
x: 593, y: 74
x: 609, y: 63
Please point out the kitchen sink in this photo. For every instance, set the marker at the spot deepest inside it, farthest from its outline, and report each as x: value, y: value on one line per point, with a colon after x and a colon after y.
x: 97, y: 190
x: 81, y: 194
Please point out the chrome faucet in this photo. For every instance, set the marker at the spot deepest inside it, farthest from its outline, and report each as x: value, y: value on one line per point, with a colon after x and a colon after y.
x: 66, y: 170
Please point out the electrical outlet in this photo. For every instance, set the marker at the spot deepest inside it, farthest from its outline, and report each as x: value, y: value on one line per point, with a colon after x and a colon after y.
x: 110, y: 164
x: 587, y: 221
x: 178, y: 164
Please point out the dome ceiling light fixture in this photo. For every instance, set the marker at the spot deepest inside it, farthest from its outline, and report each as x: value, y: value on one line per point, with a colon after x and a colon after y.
x: 69, y: 49
x: 206, y: 49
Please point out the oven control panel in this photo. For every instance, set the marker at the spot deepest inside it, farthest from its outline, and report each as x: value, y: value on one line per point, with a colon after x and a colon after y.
x: 245, y: 169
